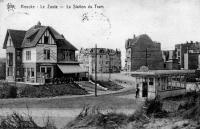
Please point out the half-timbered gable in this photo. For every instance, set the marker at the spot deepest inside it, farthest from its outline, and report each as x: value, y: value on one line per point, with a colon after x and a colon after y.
x: 46, y: 48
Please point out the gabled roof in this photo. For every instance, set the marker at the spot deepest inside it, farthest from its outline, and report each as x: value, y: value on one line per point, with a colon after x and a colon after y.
x: 17, y: 37
x: 63, y: 43
x: 30, y: 38
x: 34, y: 34
x: 37, y: 31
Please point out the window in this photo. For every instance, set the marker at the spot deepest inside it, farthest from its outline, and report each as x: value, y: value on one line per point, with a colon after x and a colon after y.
x: 47, y: 71
x: 17, y: 71
x: 28, y: 72
x: 10, y: 59
x: 10, y: 71
x: 150, y: 81
x: 24, y: 71
x: 42, y: 70
x: 46, y: 54
x: 32, y: 72
x: 28, y: 55
x: 46, y: 39
x: 18, y: 55
x: 178, y: 53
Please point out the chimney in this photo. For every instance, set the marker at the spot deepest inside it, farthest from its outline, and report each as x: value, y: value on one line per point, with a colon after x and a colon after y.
x: 134, y: 36
x: 39, y: 23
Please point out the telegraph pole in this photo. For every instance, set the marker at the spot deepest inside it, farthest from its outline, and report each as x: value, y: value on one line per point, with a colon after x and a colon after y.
x: 146, y: 57
x: 96, y: 70
x: 109, y: 67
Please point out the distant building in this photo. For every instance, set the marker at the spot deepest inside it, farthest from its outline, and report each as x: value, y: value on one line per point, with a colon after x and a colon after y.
x: 191, y: 60
x: 188, y: 47
x: 142, y: 51
x: 170, y: 61
x: 108, y: 60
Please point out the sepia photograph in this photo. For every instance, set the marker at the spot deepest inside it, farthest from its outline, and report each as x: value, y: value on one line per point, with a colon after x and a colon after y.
x: 99, y: 64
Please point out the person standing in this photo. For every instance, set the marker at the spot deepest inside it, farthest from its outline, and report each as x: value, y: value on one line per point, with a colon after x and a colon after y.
x: 137, y: 91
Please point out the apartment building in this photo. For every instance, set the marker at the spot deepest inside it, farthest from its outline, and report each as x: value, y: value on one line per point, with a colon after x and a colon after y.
x: 108, y: 60
x: 142, y: 51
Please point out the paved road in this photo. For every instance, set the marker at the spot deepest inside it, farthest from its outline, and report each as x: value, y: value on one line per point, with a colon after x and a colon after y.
x: 62, y: 109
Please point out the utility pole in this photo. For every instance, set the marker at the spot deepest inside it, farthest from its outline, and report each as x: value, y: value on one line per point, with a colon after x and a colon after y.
x: 96, y: 70
x: 146, y: 57
x: 109, y: 67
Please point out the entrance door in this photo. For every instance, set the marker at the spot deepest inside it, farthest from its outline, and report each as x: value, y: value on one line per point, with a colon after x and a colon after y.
x: 144, y: 89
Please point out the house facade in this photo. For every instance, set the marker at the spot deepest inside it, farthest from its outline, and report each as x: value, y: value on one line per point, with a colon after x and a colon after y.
x: 108, y: 60
x: 38, y: 54
x: 142, y: 51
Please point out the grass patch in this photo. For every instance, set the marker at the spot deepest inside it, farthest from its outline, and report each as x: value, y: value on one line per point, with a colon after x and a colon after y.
x: 9, y: 91
x: 51, y: 90
x: 110, y: 85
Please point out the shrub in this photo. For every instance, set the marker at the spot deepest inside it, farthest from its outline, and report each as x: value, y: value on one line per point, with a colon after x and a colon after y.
x: 193, y: 112
x: 92, y: 117
x: 8, y: 91
x: 12, y: 92
x: 16, y: 121
x: 154, y: 107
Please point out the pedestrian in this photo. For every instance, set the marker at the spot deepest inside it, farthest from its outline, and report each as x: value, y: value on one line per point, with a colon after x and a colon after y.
x: 137, y: 91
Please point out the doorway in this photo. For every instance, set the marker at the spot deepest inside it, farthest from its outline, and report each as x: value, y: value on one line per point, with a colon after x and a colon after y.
x: 144, y: 89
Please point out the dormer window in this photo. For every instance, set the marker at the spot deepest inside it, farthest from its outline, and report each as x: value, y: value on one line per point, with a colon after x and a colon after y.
x: 46, y: 39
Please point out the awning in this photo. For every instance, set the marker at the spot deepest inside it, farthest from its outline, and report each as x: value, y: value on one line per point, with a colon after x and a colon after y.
x: 67, y: 69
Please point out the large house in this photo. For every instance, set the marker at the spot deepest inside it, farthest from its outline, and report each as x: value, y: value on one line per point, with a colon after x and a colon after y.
x: 108, y: 60
x: 142, y: 51
x: 38, y: 54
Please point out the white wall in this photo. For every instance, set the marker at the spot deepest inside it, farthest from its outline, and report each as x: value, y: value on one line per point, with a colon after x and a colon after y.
x: 33, y: 55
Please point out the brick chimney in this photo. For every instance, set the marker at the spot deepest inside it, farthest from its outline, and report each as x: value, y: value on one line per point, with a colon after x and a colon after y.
x: 39, y: 23
x: 133, y: 36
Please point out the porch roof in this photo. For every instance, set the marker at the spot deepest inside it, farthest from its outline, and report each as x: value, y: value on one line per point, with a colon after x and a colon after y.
x: 68, y: 69
x: 162, y: 73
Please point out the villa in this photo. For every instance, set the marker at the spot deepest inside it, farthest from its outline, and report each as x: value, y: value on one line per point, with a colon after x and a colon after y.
x: 40, y: 54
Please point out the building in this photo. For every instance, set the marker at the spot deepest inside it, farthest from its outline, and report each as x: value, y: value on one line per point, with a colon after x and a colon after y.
x: 142, y: 51
x: 188, y: 47
x: 170, y: 61
x: 191, y: 60
x: 39, y: 54
x: 108, y: 60
x: 161, y: 83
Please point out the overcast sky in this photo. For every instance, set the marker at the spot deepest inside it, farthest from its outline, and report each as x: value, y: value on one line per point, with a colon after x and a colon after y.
x: 167, y: 21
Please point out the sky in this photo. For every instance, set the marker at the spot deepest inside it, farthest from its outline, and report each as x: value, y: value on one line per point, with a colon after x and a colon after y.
x: 169, y: 22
